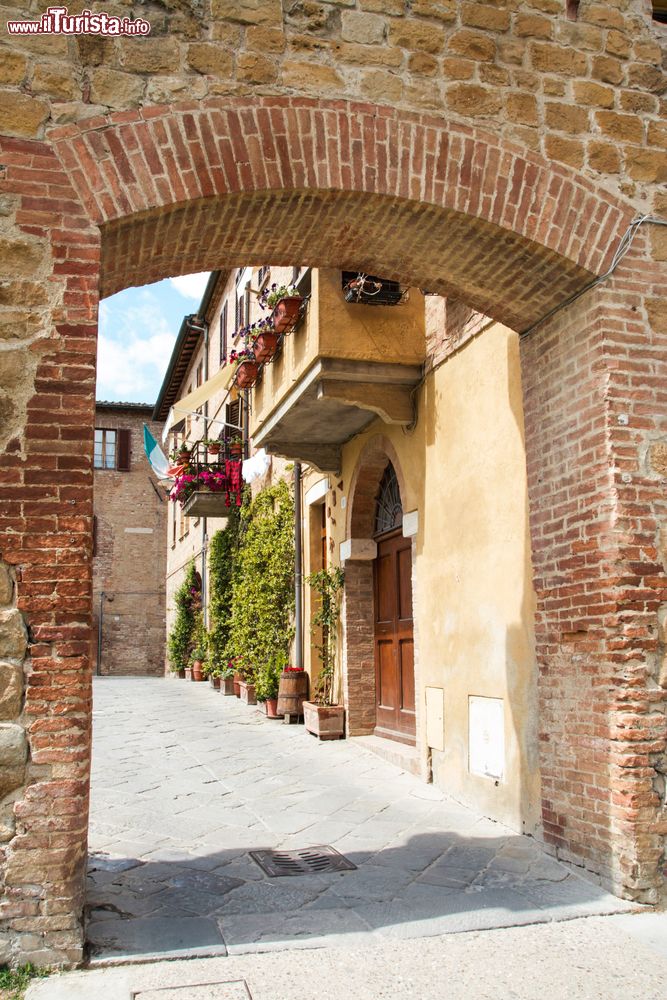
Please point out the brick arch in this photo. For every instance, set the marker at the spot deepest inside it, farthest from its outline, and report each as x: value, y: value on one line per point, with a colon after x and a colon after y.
x: 450, y: 207
x: 359, y: 648
x: 368, y: 472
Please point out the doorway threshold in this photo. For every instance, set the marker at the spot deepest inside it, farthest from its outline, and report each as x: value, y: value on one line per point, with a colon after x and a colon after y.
x: 400, y: 754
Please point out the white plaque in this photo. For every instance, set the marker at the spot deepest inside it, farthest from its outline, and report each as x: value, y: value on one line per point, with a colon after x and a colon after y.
x: 486, y: 737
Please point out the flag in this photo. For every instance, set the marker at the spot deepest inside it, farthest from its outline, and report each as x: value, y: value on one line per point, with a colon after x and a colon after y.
x: 155, y: 455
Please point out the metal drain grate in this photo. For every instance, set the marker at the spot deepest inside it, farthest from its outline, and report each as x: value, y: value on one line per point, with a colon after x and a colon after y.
x: 307, y: 861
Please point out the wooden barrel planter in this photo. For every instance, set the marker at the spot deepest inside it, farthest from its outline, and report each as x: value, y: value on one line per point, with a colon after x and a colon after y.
x: 292, y: 692
x: 286, y: 313
x: 265, y: 347
x: 246, y: 374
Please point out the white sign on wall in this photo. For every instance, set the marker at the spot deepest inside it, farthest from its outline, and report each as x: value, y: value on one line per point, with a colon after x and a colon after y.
x: 486, y: 737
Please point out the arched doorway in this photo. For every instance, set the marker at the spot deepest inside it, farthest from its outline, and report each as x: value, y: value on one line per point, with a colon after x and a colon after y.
x: 392, y: 617
x: 465, y: 214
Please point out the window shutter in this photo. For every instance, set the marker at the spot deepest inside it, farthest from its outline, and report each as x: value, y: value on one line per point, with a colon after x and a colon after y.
x: 123, y: 452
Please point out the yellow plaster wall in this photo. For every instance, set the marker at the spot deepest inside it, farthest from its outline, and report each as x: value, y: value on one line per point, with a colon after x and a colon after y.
x: 463, y: 470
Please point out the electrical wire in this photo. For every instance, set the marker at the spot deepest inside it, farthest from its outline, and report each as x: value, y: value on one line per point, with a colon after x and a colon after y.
x: 621, y: 251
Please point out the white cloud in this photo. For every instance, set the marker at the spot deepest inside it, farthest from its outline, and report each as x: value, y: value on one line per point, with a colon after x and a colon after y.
x: 135, y: 342
x: 131, y: 369
x: 191, y: 286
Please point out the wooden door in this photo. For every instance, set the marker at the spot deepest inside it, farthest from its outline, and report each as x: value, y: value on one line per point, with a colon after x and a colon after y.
x: 394, y: 644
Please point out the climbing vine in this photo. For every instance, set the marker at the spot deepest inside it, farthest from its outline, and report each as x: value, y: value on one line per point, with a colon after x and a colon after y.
x: 328, y: 585
x: 223, y: 564
x: 262, y: 604
x: 187, y: 602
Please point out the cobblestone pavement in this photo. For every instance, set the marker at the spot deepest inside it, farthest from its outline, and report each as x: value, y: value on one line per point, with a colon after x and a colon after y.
x: 186, y: 782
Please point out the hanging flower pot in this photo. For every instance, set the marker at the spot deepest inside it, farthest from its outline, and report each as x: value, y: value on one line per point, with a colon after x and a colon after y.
x: 236, y: 449
x: 265, y: 346
x: 214, y: 447
x: 286, y: 313
x: 246, y: 374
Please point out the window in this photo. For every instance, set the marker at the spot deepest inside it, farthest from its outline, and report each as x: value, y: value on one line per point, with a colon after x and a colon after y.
x: 223, y: 334
x: 263, y: 276
x: 660, y: 11
x: 388, y: 510
x: 112, y: 449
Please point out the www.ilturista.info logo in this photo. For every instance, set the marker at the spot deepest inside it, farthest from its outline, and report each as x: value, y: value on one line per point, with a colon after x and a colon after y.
x: 58, y: 21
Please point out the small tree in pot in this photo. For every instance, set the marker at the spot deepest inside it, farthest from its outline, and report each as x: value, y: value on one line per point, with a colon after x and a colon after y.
x: 322, y: 716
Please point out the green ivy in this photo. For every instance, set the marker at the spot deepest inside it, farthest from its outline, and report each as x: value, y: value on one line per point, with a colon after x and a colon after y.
x: 222, y: 565
x: 328, y: 585
x: 262, y: 605
x: 187, y: 601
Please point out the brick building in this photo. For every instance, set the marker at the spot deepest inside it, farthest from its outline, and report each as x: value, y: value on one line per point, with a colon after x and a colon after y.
x: 129, y: 550
x: 498, y: 153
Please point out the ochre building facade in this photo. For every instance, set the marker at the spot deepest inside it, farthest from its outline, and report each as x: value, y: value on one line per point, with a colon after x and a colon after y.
x: 492, y: 153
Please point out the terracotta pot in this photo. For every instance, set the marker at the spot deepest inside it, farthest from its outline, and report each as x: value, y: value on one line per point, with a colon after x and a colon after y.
x: 286, y: 313
x: 197, y: 672
x: 271, y: 708
x: 246, y: 374
x: 214, y: 449
x: 184, y: 456
x: 327, y: 722
x: 214, y: 682
x: 227, y: 686
x: 265, y: 347
x: 237, y: 684
x: 235, y: 450
x: 247, y: 693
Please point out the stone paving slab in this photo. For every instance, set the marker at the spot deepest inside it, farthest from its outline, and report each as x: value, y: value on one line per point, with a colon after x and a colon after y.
x: 186, y: 783
x: 583, y: 959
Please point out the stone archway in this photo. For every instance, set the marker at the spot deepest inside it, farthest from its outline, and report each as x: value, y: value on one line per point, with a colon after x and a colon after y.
x: 141, y: 194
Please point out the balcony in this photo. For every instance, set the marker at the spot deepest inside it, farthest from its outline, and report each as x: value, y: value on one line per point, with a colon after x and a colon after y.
x: 341, y: 368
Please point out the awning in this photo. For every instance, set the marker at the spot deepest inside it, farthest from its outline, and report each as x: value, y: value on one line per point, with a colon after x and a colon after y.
x: 195, y: 399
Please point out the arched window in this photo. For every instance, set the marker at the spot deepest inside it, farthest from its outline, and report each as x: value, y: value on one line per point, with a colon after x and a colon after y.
x: 388, y: 510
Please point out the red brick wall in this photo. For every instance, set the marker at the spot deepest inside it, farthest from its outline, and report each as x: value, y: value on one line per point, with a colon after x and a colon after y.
x: 130, y: 566
x: 595, y: 389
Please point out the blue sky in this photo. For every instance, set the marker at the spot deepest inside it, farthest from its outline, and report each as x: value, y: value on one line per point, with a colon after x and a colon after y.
x: 137, y: 330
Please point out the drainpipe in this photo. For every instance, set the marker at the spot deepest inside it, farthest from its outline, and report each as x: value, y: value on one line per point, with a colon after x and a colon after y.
x: 298, y: 570
x: 204, y: 533
x: 204, y: 521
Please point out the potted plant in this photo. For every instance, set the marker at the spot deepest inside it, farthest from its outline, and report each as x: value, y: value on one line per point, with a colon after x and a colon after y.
x: 235, y: 446
x: 198, y: 652
x: 265, y: 340
x: 247, y: 369
x: 285, y: 303
x: 227, y: 680
x: 181, y: 455
x: 213, y: 447
x: 322, y: 716
x: 267, y: 684
x: 197, y: 664
x: 246, y: 683
x: 187, y: 601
